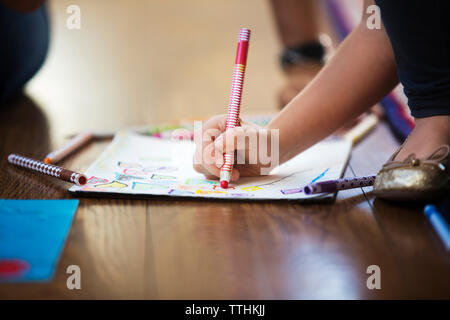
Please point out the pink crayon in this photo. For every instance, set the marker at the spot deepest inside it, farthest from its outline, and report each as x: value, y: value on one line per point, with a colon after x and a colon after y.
x: 235, y: 101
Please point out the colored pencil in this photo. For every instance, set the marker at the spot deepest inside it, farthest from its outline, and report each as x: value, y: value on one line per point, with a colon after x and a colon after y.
x: 438, y: 222
x: 360, y: 130
x: 164, y: 131
x: 68, y: 148
x: 339, y: 184
x: 48, y: 169
x: 235, y: 101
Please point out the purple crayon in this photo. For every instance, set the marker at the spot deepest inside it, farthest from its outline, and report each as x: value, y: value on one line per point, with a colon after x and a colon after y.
x: 339, y: 184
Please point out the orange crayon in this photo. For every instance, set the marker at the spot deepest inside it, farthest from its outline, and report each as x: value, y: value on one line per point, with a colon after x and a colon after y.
x: 69, y: 147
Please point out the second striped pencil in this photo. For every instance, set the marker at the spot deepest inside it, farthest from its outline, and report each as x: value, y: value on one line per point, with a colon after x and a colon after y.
x: 48, y: 169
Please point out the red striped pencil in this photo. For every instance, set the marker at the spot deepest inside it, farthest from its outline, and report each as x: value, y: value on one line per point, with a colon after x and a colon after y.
x: 235, y: 101
x: 48, y: 169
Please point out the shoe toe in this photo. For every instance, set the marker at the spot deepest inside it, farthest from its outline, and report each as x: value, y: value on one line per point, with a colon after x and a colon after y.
x: 411, y: 183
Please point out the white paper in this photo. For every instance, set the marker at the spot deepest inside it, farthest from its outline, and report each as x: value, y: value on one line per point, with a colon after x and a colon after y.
x: 135, y: 164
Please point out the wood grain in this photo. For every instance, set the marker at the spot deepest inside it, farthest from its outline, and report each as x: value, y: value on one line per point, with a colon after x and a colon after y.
x: 175, y: 249
x: 190, y: 249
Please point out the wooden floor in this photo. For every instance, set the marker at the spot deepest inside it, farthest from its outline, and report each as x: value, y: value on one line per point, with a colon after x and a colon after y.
x: 188, y: 249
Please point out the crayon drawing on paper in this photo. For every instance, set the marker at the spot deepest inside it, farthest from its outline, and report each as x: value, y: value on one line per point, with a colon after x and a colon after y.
x: 135, y: 164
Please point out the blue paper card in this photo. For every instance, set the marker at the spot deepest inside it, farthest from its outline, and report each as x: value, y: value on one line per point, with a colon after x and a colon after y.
x: 32, y: 235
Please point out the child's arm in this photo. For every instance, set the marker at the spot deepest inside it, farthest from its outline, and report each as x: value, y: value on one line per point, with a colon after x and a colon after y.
x: 361, y: 73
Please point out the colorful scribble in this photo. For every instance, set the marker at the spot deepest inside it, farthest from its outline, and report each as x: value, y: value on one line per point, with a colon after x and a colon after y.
x: 95, y: 180
x: 190, y: 188
x: 93, y: 189
x: 175, y: 192
x: 147, y: 186
x: 208, y: 192
x: 217, y: 187
x: 134, y: 172
x: 320, y: 176
x: 299, y: 190
x: 200, y: 181
x: 115, y: 184
x: 163, y: 182
x: 239, y: 195
x: 251, y: 189
x: 126, y: 177
x: 291, y: 191
x: 162, y: 177
x: 137, y: 164
x: 163, y: 169
x: 128, y: 165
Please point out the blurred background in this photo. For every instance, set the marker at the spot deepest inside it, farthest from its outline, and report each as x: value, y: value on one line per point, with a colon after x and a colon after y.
x: 157, y: 60
x: 145, y: 62
x: 136, y: 62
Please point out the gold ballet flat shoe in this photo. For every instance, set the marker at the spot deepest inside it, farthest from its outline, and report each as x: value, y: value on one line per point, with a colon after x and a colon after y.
x: 415, y: 179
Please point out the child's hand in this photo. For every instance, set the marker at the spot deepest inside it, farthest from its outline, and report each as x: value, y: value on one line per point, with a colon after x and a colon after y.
x: 250, y: 143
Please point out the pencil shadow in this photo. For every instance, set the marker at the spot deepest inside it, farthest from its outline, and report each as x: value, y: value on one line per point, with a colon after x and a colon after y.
x: 397, y: 217
x: 401, y: 223
x: 24, y: 128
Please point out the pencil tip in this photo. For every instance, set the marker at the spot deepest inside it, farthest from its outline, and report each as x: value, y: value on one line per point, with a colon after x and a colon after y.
x: 48, y: 161
x: 224, y: 184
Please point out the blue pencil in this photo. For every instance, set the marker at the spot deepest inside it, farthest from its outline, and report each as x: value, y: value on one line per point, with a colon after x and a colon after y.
x: 439, y: 224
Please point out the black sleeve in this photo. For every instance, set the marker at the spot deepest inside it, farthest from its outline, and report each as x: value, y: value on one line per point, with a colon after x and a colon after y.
x: 419, y: 32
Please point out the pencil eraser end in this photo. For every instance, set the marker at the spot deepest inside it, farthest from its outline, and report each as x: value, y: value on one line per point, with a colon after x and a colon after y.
x: 224, y: 184
x: 82, y: 180
x: 48, y: 160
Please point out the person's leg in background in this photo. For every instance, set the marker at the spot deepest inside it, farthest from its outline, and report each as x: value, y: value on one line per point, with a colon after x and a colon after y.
x: 418, y: 31
x: 303, y: 54
x: 418, y: 34
x: 24, y: 39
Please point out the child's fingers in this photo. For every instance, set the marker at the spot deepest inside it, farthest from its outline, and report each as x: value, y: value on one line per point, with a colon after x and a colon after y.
x: 235, y: 139
x: 217, y: 122
x: 204, y: 161
x: 207, y: 160
x: 215, y: 172
x: 210, y: 171
x: 235, y: 174
x: 205, y: 135
x: 209, y: 130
